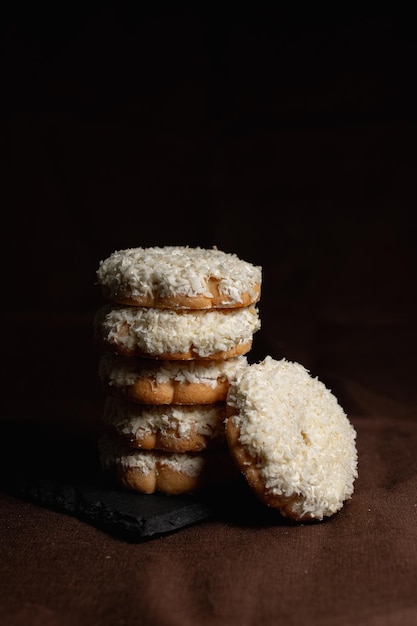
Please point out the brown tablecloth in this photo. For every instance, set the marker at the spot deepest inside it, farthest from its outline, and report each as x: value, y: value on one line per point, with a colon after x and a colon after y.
x: 294, y: 149
x: 360, y: 567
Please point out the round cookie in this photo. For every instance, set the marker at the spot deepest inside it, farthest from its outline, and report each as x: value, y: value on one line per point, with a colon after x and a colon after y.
x: 179, y: 277
x: 168, y: 382
x: 291, y: 439
x: 176, y: 335
x: 173, y: 428
x: 153, y: 471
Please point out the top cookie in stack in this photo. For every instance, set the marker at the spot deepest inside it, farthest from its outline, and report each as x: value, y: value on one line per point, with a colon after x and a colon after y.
x: 174, y: 332
x: 179, y: 277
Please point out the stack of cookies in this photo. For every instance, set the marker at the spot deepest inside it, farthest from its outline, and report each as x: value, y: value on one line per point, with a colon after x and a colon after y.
x: 173, y: 333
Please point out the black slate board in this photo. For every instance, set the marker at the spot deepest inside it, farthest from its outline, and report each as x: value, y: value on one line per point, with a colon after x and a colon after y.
x: 61, y: 471
x: 129, y: 516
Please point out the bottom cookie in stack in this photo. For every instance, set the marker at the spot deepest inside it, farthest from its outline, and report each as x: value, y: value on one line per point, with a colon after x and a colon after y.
x: 159, y: 471
x: 151, y: 444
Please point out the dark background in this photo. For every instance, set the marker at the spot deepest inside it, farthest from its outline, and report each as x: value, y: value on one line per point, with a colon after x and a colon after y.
x: 285, y: 136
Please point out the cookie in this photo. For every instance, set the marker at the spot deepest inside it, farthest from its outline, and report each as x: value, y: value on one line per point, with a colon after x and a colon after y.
x: 173, y: 428
x: 179, y: 277
x: 291, y: 439
x: 153, y: 471
x: 176, y: 335
x: 168, y: 382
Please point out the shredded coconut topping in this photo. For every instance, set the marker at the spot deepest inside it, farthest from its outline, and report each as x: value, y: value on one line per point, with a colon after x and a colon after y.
x: 113, y: 453
x: 121, y: 371
x: 141, y: 419
x: 159, y: 331
x: 297, y: 433
x: 177, y: 270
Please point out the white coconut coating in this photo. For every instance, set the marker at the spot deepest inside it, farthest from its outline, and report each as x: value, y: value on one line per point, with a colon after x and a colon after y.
x: 119, y: 371
x: 114, y: 453
x: 153, y: 331
x: 170, y: 272
x: 297, y: 437
x: 139, y: 419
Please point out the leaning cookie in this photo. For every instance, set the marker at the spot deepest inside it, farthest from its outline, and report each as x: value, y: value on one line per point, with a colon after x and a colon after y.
x: 168, y: 382
x: 153, y: 471
x: 179, y: 277
x: 176, y: 335
x: 173, y: 428
x: 291, y: 440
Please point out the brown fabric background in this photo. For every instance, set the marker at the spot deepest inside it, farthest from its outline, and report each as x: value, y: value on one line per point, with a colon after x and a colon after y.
x: 289, y: 140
